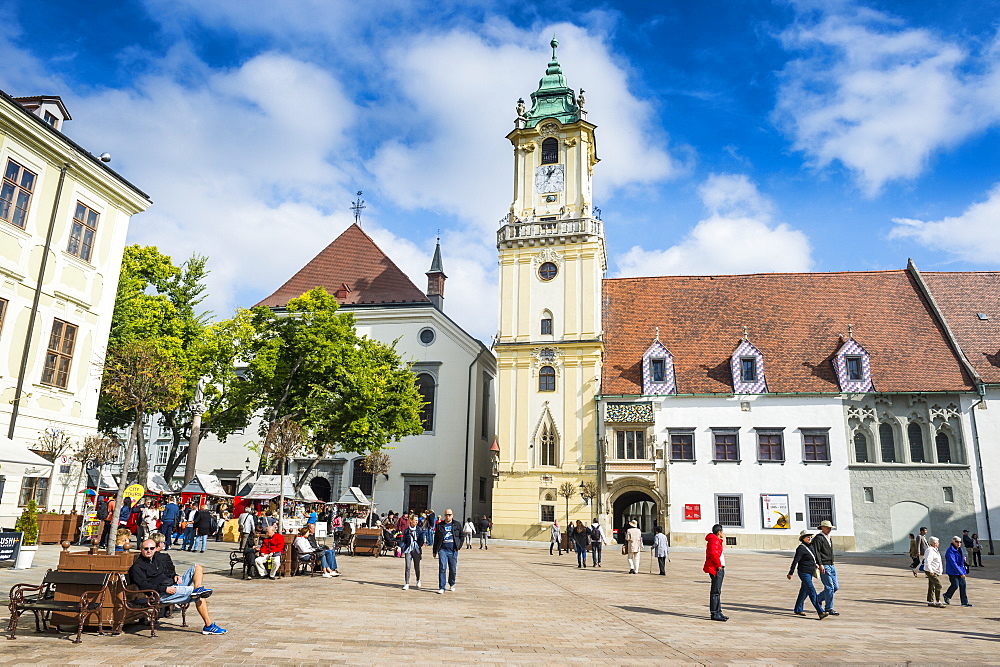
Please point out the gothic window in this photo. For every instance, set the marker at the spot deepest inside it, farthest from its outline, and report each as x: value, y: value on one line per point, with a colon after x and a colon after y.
x: 916, y: 438
x: 547, y: 446
x: 426, y: 387
x: 546, y: 378
x: 860, y: 448
x: 550, y: 151
x: 943, y: 444
x: 887, y: 442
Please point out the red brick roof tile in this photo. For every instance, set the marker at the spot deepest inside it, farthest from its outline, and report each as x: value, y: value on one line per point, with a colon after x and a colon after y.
x: 797, y: 320
x: 354, y: 260
x: 961, y: 296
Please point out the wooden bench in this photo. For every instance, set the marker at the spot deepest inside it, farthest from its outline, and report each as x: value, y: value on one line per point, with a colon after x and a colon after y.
x: 41, y: 600
x: 144, y: 603
x: 368, y: 541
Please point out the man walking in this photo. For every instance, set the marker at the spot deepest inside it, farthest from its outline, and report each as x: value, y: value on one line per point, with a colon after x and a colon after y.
x: 823, y: 546
x: 248, y: 524
x: 968, y: 544
x: 715, y: 567
x: 167, y: 522
x: 596, y: 541
x: 484, y: 533
x: 921, y: 546
x: 447, y: 543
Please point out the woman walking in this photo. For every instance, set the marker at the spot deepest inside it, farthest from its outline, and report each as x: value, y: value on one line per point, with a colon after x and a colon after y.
x: 468, y: 530
x: 933, y: 568
x: 555, y: 538
x: 804, y: 562
x: 410, y: 543
x: 954, y: 567
x: 977, y: 551
x: 661, y: 550
x: 633, y: 546
x: 581, y: 538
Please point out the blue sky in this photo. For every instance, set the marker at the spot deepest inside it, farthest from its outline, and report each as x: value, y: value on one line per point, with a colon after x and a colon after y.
x: 734, y: 137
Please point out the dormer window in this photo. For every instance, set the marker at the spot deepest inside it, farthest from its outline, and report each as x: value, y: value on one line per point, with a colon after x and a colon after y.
x: 50, y: 119
x: 853, y: 367
x: 658, y: 371
x: 748, y: 369
x: 550, y: 151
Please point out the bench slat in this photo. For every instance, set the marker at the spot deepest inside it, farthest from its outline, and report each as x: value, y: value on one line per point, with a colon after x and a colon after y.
x: 78, y: 578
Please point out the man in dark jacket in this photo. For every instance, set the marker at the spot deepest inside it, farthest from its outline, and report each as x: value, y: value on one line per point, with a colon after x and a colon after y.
x: 168, y: 520
x: 202, y: 528
x: 823, y: 547
x: 155, y: 572
x: 447, y: 544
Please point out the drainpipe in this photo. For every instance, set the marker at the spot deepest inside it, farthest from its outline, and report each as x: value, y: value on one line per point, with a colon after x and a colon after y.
x: 16, y: 403
x: 979, y: 465
x: 468, y: 435
x: 600, y: 455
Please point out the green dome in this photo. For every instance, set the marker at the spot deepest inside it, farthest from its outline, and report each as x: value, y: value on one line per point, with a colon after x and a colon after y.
x: 553, y: 99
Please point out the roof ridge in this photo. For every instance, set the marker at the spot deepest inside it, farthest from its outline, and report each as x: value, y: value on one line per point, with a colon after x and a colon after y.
x: 703, y: 276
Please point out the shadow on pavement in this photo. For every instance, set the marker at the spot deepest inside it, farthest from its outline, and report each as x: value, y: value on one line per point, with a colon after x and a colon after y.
x: 967, y: 635
x: 641, y: 610
x: 903, y: 603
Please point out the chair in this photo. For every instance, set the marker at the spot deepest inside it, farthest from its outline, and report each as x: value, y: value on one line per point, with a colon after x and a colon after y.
x: 305, y: 562
x: 62, y: 584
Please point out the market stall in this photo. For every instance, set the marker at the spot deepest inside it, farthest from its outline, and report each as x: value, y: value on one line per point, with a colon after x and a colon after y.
x: 266, y: 493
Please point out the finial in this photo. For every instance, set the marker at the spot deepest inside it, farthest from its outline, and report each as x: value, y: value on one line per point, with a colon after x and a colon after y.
x: 746, y: 335
x: 554, y: 44
x: 657, y: 334
x: 850, y: 332
x: 357, y: 207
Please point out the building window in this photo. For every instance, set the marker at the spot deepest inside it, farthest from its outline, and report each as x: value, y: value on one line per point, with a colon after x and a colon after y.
x: 3, y: 312
x: 887, y: 441
x: 81, y: 236
x: 860, y: 448
x: 34, y: 488
x: 548, y: 513
x: 854, y: 368
x: 60, y: 354
x: 550, y: 151
x: 427, y: 389
x: 547, y: 271
x: 682, y: 446
x: 727, y: 447
x: 729, y: 511
x: 426, y: 336
x: 869, y: 494
x: 15, y: 194
x: 748, y: 369
x: 658, y: 369
x: 162, y: 453
x: 630, y: 444
x: 815, y: 446
x: 546, y: 378
x: 949, y: 494
x: 50, y: 119
x: 482, y: 489
x: 820, y: 508
x: 916, y: 438
x: 484, y: 417
x: 943, y: 444
x: 770, y: 447
x: 546, y: 326
x: 360, y: 477
x: 547, y: 446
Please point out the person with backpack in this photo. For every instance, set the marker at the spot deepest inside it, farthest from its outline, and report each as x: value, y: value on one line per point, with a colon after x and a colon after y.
x: 596, y: 541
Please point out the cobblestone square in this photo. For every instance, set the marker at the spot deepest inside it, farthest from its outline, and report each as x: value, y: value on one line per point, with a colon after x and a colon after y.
x: 516, y: 604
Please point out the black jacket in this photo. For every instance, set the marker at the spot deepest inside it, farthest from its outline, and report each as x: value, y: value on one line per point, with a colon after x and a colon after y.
x: 456, y: 534
x: 823, y: 548
x: 203, y: 522
x: 581, y: 536
x: 805, y: 559
x: 156, y: 573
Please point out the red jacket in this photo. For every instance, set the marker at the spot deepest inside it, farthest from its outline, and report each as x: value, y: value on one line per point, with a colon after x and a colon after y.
x: 272, y: 545
x: 713, y: 553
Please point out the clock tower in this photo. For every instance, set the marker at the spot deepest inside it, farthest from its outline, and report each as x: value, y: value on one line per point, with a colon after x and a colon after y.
x: 549, y: 346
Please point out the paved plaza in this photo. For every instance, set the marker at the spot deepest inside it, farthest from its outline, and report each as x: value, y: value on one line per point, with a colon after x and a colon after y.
x: 515, y: 603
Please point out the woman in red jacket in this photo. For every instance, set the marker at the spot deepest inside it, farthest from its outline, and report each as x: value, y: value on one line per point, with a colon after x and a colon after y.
x: 715, y: 566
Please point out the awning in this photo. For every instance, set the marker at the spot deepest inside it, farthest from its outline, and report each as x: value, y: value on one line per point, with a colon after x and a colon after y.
x: 108, y: 482
x: 11, y: 452
x: 205, y: 484
x: 156, y: 484
x: 266, y: 487
x: 353, y: 496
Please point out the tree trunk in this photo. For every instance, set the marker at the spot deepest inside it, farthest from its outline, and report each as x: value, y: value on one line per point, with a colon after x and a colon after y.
x: 281, y: 499
x: 142, y: 469
x: 129, y: 450
x: 305, y: 474
x: 192, y: 453
x: 175, y: 456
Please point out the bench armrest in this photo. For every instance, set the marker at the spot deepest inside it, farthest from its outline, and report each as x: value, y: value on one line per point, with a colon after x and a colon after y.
x: 17, y: 592
x: 151, y: 599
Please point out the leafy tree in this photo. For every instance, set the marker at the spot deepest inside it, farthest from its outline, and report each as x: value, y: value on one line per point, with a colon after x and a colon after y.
x: 284, y: 440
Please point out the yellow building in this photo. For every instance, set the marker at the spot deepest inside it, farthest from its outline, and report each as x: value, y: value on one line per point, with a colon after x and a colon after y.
x: 63, y: 219
x: 549, y: 348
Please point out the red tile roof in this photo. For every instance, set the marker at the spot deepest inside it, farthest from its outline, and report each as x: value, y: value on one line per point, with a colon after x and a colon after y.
x: 961, y: 296
x: 797, y: 320
x: 353, y: 260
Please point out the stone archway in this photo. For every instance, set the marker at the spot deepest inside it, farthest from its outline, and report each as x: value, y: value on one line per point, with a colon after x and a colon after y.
x: 633, y: 501
x: 320, y: 486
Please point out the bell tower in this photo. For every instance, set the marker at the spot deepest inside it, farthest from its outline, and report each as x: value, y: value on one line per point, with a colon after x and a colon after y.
x: 549, y: 345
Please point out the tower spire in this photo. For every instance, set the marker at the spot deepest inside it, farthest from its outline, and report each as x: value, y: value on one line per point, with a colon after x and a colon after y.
x: 436, y: 277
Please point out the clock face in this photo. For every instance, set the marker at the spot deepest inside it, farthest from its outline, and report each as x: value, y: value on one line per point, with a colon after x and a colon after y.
x: 550, y: 178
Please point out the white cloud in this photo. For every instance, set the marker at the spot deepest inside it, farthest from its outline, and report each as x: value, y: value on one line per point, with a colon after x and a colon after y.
x: 973, y: 236
x: 880, y: 98
x: 738, y: 236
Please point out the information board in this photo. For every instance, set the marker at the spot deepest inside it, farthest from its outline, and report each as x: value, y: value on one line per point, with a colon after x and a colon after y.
x: 10, y: 545
x: 774, y: 510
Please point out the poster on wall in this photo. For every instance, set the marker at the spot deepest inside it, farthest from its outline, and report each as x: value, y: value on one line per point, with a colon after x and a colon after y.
x: 692, y: 512
x: 774, y: 509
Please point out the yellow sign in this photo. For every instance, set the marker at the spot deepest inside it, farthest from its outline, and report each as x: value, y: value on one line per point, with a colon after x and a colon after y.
x: 134, y: 492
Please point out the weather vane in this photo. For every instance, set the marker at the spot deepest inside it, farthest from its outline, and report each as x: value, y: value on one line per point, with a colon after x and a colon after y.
x: 357, y: 207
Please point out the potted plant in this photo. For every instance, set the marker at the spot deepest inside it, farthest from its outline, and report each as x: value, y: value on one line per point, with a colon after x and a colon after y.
x: 28, y: 525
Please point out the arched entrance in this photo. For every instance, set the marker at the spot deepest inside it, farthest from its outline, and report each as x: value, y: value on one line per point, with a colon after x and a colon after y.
x: 321, y: 487
x: 638, y: 506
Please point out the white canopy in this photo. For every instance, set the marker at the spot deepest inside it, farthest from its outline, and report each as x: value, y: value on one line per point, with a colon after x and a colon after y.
x: 354, y: 496
x: 11, y: 452
x: 156, y: 484
x: 269, y: 486
x: 205, y: 484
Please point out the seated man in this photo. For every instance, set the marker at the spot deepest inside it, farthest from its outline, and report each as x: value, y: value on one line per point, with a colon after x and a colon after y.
x: 154, y: 570
x: 271, y: 548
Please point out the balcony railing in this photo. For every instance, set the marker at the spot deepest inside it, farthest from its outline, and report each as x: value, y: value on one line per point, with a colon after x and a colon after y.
x: 513, y: 229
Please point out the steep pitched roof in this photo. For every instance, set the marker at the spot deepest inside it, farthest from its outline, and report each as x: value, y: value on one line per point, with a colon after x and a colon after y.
x: 354, y: 260
x: 961, y: 296
x: 797, y: 321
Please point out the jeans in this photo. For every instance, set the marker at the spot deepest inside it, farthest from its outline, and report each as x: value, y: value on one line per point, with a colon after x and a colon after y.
x: 483, y: 536
x: 597, y: 547
x: 329, y: 559
x: 199, y: 539
x: 828, y: 575
x: 412, y: 559
x: 467, y: 540
x: 188, y: 542
x: 957, y: 583
x: 167, y: 528
x: 807, y: 590
x: 715, y: 593
x: 447, y: 565
x: 184, y: 589
x: 581, y: 554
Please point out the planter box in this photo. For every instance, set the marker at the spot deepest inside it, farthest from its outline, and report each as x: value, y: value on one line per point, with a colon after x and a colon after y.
x: 54, y: 528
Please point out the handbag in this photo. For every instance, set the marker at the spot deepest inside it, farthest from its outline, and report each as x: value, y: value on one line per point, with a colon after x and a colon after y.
x: 625, y: 549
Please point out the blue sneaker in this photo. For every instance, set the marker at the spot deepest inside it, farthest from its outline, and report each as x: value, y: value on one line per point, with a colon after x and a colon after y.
x: 213, y: 629
x: 201, y: 592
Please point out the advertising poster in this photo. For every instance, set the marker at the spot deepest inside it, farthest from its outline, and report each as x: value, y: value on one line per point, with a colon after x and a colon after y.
x: 692, y: 512
x: 10, y: 545
x: 774, y: 509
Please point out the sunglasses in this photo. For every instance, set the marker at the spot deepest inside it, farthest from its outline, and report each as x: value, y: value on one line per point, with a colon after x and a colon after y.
x: 149, y: 548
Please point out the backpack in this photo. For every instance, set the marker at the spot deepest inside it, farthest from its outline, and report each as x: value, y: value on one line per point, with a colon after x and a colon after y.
x: 595, y: 534
x: 102, y: 509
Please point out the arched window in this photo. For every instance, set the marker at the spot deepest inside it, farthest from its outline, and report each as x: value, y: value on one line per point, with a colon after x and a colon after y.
x: 361, y: 478
x: 916, y: 438
x: 547, y: 446
x: 546, y: 378
x: 546, y: 323
x: 550, y: 151
x: 888, y: 442
x: 427, y: 388
x: 860, y: 448
x: 943, y: 444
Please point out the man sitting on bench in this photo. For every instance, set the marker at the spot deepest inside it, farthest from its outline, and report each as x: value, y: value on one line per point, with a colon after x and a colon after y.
x: 271, y: 548
x: 154, y: 570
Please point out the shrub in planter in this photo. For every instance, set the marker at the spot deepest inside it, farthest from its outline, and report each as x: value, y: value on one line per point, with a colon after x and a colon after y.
x: 28, y: 524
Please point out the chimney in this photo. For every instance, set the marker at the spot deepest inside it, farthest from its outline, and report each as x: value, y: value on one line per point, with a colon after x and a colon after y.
x: 436, y: 278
